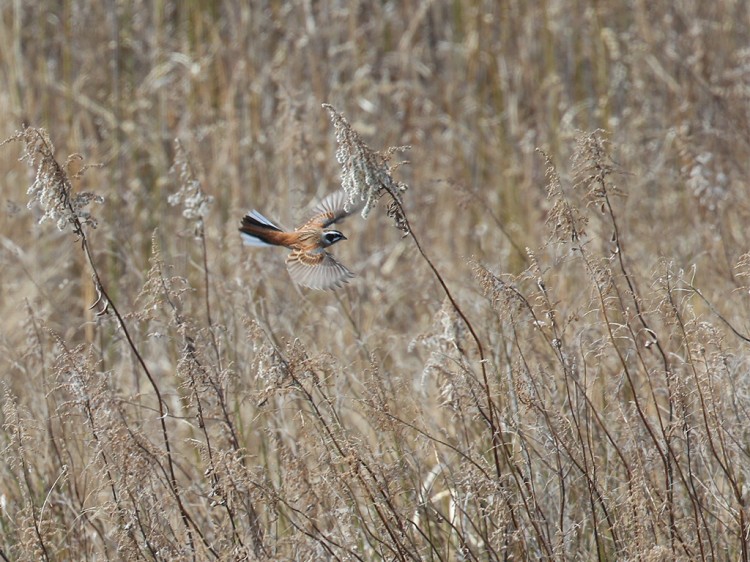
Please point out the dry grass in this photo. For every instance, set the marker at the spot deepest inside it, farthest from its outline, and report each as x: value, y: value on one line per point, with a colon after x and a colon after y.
x: 547, y: 358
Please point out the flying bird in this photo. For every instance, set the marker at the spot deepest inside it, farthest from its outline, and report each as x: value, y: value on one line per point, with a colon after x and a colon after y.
x: 309, y: 263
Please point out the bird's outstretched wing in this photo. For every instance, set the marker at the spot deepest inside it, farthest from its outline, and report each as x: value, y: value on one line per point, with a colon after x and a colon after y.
x: 317, y: 270
x: 331, y: 210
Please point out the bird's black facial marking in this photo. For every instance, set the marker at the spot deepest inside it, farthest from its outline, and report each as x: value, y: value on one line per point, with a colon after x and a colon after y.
x: 332, y: 236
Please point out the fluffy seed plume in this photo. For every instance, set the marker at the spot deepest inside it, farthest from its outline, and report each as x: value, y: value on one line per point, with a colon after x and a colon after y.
x: 196, y: 203
x: 366, y: 173
x: 52, y: 190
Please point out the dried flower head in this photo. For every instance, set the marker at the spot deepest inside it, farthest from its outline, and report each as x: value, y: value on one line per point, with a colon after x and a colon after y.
x: 564, y: 219
x: 706, y: 180
x: 593, y: 166
x: 504, y: 297
x: 52, y: 189
x: 196, y: 204
x: 365, y: 173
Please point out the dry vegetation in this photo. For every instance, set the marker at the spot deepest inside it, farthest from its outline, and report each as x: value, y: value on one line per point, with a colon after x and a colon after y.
x: 548, y: 358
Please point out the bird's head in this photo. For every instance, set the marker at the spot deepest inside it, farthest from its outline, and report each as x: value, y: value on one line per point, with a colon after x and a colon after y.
x: 330, y: 237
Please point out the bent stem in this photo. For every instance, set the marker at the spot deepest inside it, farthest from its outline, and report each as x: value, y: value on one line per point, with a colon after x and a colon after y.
x: 488, y: 415
x: 107, y: 304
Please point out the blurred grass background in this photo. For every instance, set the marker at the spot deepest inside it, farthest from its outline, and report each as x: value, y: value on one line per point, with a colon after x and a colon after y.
x: 475, y: 87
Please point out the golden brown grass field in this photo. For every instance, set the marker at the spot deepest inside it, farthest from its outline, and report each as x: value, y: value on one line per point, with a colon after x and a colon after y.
x: 545, y: 354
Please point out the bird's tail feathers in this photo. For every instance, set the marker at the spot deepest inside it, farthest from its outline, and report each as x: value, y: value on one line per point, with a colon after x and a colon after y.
x: 257, y: 230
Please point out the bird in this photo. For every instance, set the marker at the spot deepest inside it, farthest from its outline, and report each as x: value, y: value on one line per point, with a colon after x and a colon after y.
x: 309, y: 263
